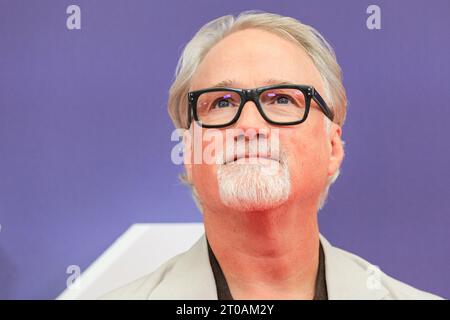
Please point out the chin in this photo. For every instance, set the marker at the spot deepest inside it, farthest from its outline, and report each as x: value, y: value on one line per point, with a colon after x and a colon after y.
x: 247, y: 187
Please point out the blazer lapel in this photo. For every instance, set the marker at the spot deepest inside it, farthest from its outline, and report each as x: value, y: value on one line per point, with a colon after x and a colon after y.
x: 190, y: 278
x: 347, y: 276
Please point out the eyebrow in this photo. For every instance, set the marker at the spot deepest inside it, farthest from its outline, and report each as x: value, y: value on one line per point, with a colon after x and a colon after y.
x: 234, y: 83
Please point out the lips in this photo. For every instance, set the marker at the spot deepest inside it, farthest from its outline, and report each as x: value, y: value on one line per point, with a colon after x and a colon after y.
x: 244, y: 158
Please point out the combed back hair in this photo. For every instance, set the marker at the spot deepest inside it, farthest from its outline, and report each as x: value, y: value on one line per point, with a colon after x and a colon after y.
x: 308, y: 38
x: 305, y: 36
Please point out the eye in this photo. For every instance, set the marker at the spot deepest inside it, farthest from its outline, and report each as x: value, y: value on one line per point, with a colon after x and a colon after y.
x: 276, y: 98
x: 283, y: 99
x: 222, y: 103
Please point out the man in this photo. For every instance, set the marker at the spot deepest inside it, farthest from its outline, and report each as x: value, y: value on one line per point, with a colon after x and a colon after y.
x: 270, y: 90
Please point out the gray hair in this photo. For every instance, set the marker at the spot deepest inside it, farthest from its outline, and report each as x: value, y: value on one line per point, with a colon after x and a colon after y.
x: 308, y: 38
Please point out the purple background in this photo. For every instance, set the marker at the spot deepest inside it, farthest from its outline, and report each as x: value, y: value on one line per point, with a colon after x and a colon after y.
x: 85, y: 136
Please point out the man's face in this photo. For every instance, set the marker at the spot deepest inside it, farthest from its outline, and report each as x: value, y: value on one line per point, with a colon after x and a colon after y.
x: 250, y: 58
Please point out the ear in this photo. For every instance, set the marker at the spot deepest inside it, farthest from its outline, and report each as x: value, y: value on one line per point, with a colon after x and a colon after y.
x: 336, y: 147
x: 187, y: 153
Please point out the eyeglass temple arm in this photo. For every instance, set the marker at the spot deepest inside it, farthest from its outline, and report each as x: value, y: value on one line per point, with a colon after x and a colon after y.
x: 323, y: 105
x: 189, y: 117
x: 189, y: 111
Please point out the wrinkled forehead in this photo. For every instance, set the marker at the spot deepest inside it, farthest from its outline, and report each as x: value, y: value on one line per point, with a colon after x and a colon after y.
x: 252, y: 58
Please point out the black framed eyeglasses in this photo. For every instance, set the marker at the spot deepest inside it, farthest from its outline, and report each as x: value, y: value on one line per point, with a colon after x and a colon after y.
x: 287, y: 104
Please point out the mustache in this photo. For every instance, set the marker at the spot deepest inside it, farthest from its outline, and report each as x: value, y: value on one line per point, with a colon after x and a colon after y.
x: 257, y: 147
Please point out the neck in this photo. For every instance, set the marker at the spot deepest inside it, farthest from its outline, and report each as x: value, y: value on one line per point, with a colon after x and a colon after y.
x: 270, y: 254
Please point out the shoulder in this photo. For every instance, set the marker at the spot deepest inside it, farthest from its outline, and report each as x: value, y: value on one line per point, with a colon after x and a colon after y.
x: 185, y: 276
x: 352, y: 277
x: 142, y: 288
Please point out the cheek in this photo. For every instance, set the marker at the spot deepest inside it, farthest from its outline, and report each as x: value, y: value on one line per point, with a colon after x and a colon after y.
x: 209, y: 144
x: 307, y: 164
x: 206, y: 146
x: 205, y: 180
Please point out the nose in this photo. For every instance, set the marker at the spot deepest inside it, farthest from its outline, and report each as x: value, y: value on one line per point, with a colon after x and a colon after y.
x: 251, y: 124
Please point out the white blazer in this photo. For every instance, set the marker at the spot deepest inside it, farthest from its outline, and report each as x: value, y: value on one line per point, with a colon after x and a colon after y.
x: 189, y: 276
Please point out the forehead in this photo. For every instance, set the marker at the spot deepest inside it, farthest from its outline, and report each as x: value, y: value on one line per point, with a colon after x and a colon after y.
x: 253, y: 57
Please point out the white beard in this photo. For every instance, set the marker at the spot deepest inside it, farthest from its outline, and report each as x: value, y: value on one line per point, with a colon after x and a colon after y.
x: 254, y: 186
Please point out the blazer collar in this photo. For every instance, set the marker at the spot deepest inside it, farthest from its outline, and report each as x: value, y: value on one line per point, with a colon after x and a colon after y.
x: 192, y: 278
x: 347, y: 276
